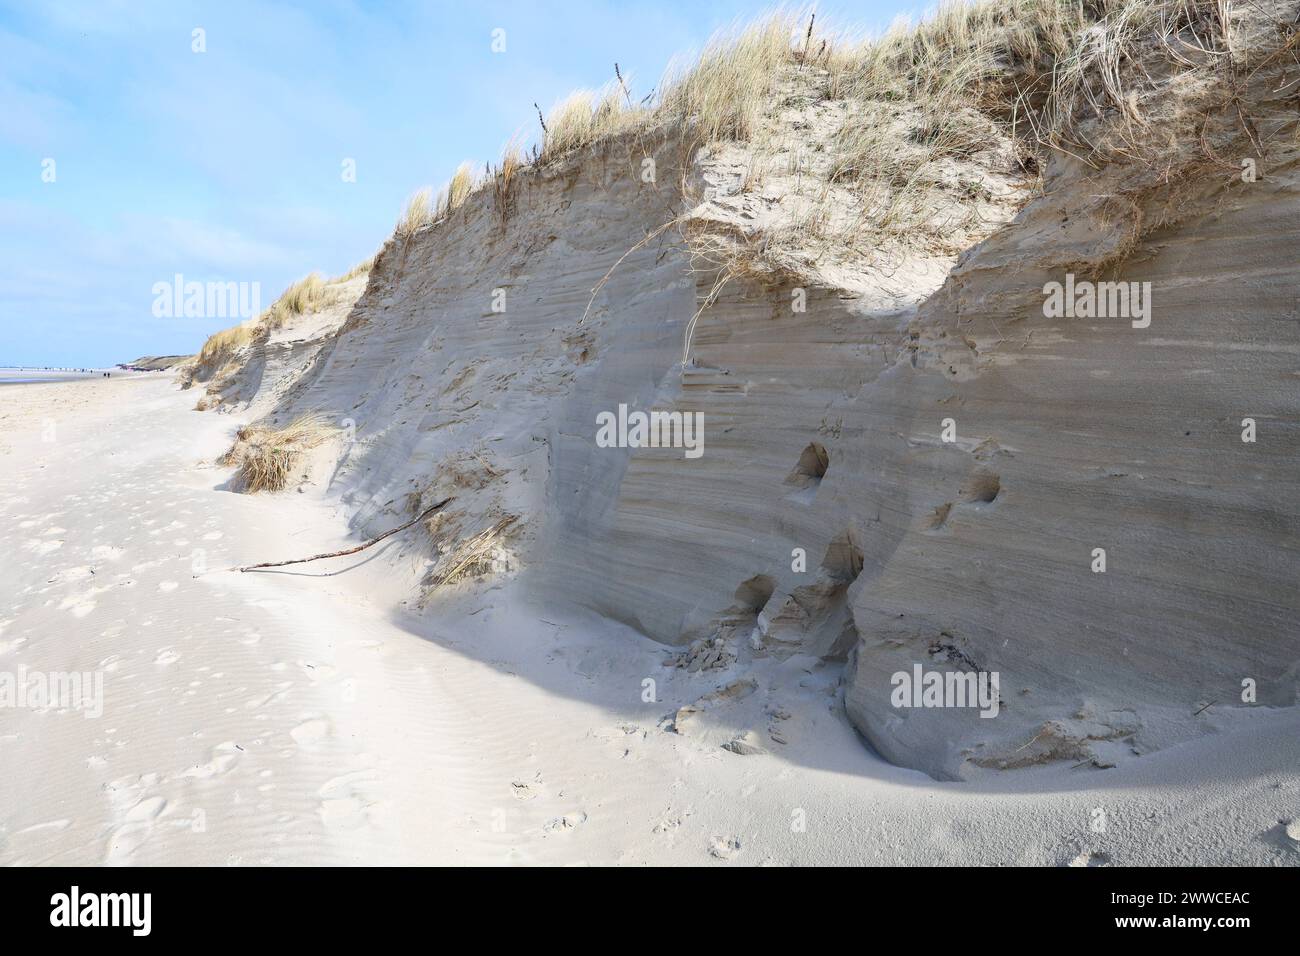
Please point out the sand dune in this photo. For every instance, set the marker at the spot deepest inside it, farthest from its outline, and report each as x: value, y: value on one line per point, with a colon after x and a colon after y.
x: 307, y: 716
x: 986, y: 420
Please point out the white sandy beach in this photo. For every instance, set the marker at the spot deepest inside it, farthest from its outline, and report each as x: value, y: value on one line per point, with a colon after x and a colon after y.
x: 308, y: 716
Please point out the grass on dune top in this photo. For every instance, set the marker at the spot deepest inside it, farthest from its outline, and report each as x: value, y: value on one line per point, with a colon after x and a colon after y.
x: 1044, y: 69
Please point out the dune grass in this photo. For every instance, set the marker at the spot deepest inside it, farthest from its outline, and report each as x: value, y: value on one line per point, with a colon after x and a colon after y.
x: 220, y: 346
x: 360, y: 269
x: 267, y: 457
x: 588, y: 116
x: 453, y: 195
x: 417, y: 213
x: 503, y: 178
x: 308, y: 294
x: 1052, y: 75
x: 724, y: 93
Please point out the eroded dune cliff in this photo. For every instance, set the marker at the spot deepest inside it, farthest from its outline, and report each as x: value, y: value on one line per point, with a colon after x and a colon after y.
x: 907, y: 455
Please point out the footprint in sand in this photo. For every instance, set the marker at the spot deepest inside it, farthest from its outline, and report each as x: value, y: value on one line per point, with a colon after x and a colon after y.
x: 72, y: 575
x: 79, y: 604
x: 7, y: 646
x: 223, y: 758
x: 135, y: 832
x: 312, y: 733
x: 724, y: 848
x: 570, y: 821
x: 166, y: 655
x: 345, y: 801
x: 1285, y: 836
x: 522, y: 790
x: 316, y: 671
x: 135, y: 813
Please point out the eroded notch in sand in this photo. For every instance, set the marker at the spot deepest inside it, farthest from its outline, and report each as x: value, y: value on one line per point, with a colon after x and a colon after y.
x: 814, y: 461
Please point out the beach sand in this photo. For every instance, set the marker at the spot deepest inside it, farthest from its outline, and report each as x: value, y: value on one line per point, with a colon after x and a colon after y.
x: 309, y: 715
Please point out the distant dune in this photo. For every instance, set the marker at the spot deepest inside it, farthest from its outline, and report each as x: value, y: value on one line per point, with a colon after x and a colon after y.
x: 154, y: 363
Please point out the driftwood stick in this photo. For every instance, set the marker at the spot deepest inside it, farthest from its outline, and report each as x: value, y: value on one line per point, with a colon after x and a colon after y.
x: 361, y: 547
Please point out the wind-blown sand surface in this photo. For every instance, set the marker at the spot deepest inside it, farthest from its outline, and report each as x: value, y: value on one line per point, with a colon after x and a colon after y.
x: 307, y: 716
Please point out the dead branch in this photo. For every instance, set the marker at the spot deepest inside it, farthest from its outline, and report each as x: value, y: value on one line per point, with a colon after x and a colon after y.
x: 361, y: 547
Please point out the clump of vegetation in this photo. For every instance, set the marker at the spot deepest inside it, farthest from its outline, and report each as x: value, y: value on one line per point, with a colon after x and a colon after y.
x: 1024, y: 78
x: 472, y: 556
x: 588, y: 116
x: 724, y: 93
x: 217, y: 351
x: 267, y: 457
x: 503, y: 178
x: 456, y: 191
x: 360, y: 269
x: 417, y: 213
x: 308, y: 294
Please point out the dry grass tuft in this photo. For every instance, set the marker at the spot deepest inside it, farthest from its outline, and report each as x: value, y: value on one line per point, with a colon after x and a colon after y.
x: 308, y: 294
x: 723, y: 95
x: 220, y: 346
x: 471, y: 557
x: 938, y: 121
x: 360, y: 269
x: 454, y: 194
x: 220, y: 352
x: 417, y: 214
x: 267, y: 457
x: 503, y: 179
x: 588, y: 116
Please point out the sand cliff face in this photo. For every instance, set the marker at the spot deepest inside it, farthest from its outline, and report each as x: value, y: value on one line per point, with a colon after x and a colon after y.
x: 1082, y: 434
x: 904, y: 462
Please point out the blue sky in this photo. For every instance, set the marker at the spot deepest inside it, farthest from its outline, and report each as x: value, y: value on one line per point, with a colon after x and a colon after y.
x: 226, y: 165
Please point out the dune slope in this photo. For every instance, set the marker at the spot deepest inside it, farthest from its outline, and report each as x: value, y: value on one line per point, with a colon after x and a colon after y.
x: 908, y: 458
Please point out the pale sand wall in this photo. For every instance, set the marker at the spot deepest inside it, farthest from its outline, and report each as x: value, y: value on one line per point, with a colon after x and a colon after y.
x: 301, y: 717
x: 1073, y: 434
